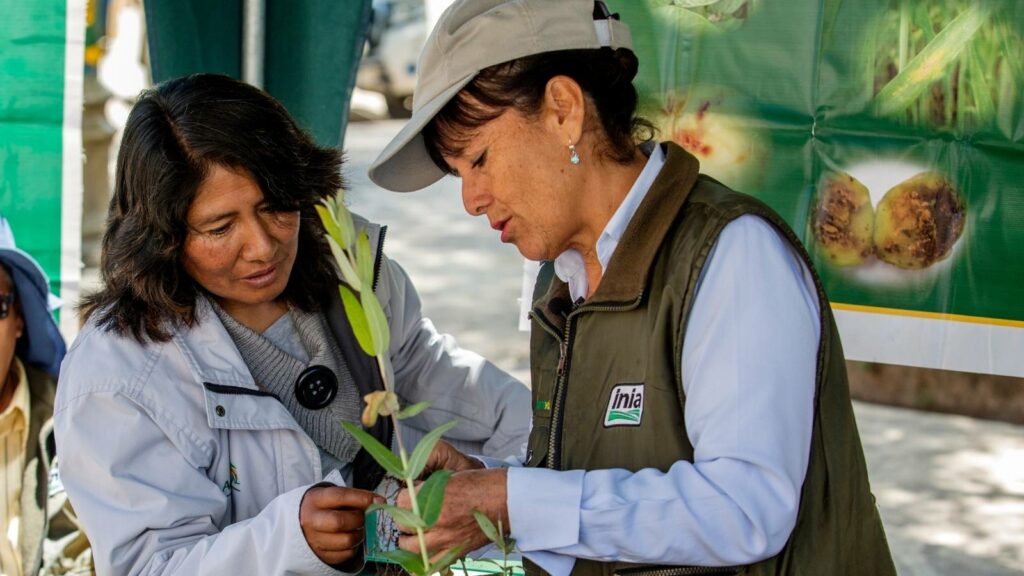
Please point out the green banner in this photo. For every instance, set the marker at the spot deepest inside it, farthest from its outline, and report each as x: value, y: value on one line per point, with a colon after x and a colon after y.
x: 888, y: 133
x: 41, y: 62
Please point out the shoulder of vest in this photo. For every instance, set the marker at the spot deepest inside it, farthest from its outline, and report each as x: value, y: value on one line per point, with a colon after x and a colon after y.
x: 717, y: 205
x: 717, y: 198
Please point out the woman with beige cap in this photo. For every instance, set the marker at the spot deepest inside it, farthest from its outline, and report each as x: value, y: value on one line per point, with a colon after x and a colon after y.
x: 690, y: 405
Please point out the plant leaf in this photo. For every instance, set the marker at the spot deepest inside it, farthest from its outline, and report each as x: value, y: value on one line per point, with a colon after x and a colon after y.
x: 377, y: 322
x: 412, y: 563
x: 488, y: 527
x: 344, y: 219
x: 364, y: 258
x: 348, y: 273
x: 404, y: 517
x: 421, y: 454
x: 446, y: 559
x: 410, y: 411
x: 384, y: 456
x: 728, y: 6
x: 374, y: 507
x: 330, y: 224
x: 979, y: 86
x: 931, y: 63
x: 683, y: 19
x: 430, y: 496
x: 357, y: 318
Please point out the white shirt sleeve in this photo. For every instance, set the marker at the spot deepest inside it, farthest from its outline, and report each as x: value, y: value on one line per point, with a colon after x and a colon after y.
x: 749, y: 361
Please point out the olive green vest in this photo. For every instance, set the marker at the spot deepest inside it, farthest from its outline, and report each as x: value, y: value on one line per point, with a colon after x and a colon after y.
x: 630, y: 332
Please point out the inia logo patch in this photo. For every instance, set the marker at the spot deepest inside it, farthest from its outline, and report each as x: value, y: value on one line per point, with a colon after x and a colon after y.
x: 626, y: 406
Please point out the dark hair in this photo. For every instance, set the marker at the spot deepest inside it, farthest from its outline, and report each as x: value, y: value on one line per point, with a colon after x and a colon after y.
x: 605, y: 75
x: 175, y: 133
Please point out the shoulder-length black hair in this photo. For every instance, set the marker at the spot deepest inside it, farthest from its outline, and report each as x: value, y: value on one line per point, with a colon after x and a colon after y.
x: 604, y: 74
x: 175, y: 133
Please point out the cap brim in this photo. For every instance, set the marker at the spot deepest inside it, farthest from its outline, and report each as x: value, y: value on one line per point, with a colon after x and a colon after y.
x: 405, y: 165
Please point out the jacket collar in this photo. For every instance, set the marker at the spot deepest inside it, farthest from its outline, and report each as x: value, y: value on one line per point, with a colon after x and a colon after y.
x: 210, y: 352
x: 626, y: 276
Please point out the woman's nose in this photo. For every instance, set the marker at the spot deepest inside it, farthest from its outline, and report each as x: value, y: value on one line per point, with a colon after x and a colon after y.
x: 260, y: 244
x: 474, y: 199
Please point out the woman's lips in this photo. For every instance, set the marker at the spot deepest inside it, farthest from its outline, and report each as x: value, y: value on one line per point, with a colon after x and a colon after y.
x: 502, y: 226
x: 263, y: 278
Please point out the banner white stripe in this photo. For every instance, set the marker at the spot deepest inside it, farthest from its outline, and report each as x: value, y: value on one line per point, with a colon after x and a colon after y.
x: 932, y: 343
x: 71, y: 173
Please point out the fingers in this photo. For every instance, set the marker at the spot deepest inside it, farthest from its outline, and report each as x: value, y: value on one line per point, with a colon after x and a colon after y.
x: 335, y: 542
x: 327, y: 497
x: 335, y: 521
x: 439, y: 541
x: 447, y: 457
x: 330, y: 545
x: 332, y: 520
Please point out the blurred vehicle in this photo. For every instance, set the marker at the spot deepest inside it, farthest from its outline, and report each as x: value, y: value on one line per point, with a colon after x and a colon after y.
x: 398, y: 30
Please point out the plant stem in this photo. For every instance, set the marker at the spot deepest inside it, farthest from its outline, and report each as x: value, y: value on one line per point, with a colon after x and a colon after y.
x: 904, y: 34
x: 411, y: 484
x: 409, y: 481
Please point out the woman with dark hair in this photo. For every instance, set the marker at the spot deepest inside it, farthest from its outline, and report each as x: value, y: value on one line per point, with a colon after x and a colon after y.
x: 198, y: 411
x: 691, y: 410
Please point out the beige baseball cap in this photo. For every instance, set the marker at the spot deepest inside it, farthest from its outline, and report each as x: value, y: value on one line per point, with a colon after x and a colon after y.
x: 475, y: 34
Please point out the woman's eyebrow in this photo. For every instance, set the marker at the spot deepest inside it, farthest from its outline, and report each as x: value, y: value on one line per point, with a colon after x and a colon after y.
x: 212, y: 218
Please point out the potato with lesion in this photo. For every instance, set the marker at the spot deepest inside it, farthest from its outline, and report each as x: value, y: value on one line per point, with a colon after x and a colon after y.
x: 918, y: 222
x: 844, y: 220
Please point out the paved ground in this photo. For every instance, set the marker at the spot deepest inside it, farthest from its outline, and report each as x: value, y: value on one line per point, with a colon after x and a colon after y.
x: 950, y: 489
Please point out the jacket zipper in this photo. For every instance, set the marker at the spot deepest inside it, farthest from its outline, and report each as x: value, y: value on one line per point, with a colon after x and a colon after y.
x: 557, y: 403
x: 378, y: 256
x: 562, y: 374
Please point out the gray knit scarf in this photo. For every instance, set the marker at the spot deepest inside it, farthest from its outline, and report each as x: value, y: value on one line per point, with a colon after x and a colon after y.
x: 276, y: 371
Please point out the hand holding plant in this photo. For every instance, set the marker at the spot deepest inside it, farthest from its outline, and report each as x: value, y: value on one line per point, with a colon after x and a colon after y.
x: 474, y: 491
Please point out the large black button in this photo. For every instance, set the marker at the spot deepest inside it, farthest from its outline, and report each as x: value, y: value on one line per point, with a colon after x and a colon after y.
x: 316, y: 387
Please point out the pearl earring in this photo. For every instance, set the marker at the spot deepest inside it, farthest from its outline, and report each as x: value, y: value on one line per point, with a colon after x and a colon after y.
x: 574, y: 157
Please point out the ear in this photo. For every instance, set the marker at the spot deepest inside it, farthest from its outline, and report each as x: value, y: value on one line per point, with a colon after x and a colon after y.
x: 564, y: 108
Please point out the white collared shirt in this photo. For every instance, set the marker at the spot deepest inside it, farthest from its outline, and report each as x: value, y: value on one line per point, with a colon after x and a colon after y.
x: 748, y: 368
x: 13, y: 438
x: 569, y: 264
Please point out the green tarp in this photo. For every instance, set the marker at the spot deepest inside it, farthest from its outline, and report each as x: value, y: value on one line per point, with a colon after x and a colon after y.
x: 40, y: 132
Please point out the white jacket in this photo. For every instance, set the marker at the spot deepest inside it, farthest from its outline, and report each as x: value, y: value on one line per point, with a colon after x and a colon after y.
x: 177, y: 464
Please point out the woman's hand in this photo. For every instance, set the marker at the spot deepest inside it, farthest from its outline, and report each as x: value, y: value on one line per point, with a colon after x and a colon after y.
x: 483, y: 490
x: 332, y: 520
x: 446, y: 457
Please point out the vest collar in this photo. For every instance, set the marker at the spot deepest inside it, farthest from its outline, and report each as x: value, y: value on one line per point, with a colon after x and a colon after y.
x: 626, y: 276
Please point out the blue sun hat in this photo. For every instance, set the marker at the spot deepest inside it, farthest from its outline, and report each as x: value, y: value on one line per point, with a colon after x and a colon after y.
x: 41, y: 345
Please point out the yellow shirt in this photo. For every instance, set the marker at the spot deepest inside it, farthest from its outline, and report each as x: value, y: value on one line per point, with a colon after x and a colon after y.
x: 13, y: 432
